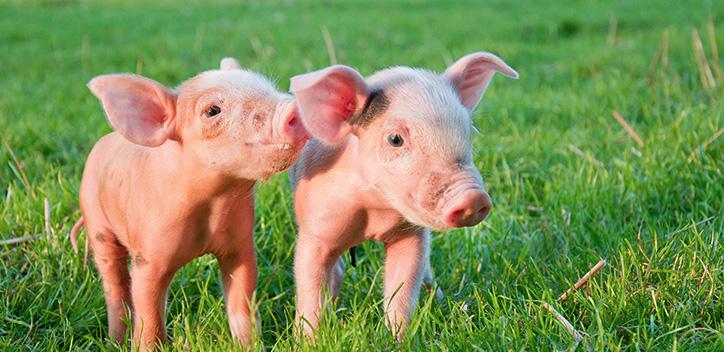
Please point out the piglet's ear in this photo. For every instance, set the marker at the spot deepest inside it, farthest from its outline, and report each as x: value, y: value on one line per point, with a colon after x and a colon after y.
x: 140, y: 109
x: 229, y: 63
x: 327, y: 99
x: 472, y: 73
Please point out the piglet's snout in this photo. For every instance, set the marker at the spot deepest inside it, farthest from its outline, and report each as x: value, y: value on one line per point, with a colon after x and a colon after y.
x: 467, y: 208
x: 291, y: 127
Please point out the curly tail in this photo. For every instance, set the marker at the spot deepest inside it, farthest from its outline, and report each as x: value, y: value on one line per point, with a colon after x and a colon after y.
x: 74, y: 239
x: 74, y: 233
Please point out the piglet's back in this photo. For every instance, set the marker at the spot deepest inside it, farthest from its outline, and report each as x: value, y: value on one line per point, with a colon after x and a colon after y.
x: 316, y: 157
x: 108, y: 165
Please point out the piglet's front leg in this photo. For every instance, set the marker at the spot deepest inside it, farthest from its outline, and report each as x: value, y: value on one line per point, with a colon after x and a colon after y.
x: 239, y: 276
x: 313, y: 263
x: 149, y: 283
x: 405, y: 264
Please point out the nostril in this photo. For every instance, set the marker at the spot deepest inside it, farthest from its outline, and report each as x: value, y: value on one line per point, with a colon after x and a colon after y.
x: 462, y: 216
x: 457, y: 215
x: 293, y: 121
x: 454, y: 217
x: 483, y: 212
x: 485, y: 207
x: 293, y: 128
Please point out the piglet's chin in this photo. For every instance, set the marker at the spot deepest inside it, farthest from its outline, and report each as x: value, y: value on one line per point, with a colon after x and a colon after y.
x: 281, y: 157
x: 440, y: 227
x: 424, y: 219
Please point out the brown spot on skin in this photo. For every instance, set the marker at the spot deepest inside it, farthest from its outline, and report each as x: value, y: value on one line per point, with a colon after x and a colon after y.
x: 139, y: 260
x: 258, y: 111
x: 258, y: 121
x: 100, y: 238
x: 435, y: 195
x: 213, y: 127
x: 247, y: 107
x: 436, y: 190
x: 282, y: 159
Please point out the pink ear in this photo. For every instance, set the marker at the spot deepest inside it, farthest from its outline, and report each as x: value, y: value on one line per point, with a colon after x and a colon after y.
x: 229, y: 63
x: 140, y: 109
x: 327, y: 99
x: 472, y: 73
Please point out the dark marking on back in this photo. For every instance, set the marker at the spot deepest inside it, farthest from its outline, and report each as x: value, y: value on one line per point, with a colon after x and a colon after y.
x: 139, y: 260
x: 100, y: 238
x: 375, y: 105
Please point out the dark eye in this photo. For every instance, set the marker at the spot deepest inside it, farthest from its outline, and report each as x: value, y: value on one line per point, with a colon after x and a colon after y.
x: 212, y: 111
x: 395, y: 140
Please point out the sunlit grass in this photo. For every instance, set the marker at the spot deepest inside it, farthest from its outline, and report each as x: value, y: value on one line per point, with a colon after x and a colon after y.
x: 569, y: 184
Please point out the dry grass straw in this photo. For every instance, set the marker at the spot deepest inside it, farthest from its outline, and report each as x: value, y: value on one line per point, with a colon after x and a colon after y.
x: 662, y: 55
x: 584, y: 280
x: 628, y: 128
x: 583, y: 155
x: 19, y: 168
x: 705, y: 73
x: 575, y: 334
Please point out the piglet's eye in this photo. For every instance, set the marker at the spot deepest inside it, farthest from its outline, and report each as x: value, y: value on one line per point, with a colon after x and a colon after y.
x: 395, y: 140
x: 212, y: 111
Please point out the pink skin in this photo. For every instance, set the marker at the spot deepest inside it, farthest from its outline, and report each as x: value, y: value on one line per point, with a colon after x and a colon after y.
x: 391, y: 159
x: 175, y: 181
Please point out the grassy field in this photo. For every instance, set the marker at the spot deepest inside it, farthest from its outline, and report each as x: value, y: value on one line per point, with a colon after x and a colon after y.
x: 569, y: 184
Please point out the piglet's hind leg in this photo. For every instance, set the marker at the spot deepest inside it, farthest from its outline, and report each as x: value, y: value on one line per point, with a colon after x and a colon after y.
x: 111, y: 260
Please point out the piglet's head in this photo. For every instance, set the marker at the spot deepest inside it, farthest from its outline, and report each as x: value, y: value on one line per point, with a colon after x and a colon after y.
x: 414, y: 132
x: 232, y: 120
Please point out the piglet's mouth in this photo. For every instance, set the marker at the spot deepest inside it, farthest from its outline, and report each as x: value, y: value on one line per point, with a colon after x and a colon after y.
x: 290, y: 146
x: 281, y: 146
x: 424, y: 218
x: 277, y: 146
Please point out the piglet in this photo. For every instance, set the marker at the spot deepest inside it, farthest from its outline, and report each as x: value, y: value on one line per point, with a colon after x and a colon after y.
x: 175, y: 181
x: 391, y: 159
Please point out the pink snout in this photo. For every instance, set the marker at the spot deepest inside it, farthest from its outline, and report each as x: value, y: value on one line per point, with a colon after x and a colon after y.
x: 291, y: 127
x: 468, y: 208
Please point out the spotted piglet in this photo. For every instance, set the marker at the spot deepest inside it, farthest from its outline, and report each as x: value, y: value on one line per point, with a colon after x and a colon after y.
x: 391, y: 160
x: 175, y: 181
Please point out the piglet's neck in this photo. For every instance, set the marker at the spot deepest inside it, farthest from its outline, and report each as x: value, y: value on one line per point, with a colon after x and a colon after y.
x: 200, y: 181
x: 210, y: 184
x: 370, y: 196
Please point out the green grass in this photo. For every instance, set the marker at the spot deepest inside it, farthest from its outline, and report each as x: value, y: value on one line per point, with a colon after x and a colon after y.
x: 654, y: 212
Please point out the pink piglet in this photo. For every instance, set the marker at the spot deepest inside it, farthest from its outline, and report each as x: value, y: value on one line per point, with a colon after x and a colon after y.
x: 175, y: 181
x: 391, y: 160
